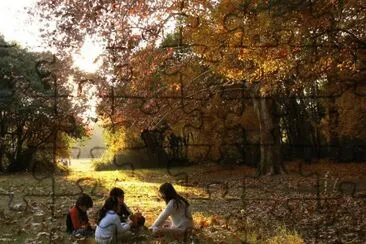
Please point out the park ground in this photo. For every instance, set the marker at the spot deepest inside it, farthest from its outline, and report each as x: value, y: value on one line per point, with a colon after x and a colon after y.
x: 228, y: 205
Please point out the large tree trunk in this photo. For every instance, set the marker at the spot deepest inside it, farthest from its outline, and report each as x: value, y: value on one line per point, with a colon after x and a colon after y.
x: 270, y: 141
x: 21, y: 161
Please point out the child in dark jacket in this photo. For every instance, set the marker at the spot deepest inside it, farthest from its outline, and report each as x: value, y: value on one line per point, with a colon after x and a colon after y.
x: 77, y: 221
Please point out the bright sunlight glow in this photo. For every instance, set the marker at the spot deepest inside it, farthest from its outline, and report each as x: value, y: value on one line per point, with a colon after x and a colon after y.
x: 87, y: 59
x: 91, y: 102
x: 16, y: 24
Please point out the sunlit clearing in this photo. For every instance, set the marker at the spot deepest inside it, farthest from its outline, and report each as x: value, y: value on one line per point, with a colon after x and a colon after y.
x: 87, y: 58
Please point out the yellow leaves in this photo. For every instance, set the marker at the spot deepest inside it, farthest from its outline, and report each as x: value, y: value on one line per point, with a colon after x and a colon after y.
x: 286, y: 239
x: 273, y: 43
x: 115, y: 141
x: 233, y: 74
x: 347, y: 65
x: 270, y: 66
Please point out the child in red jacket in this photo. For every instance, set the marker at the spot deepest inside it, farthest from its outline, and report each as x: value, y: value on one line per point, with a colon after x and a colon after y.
x: 77, y: 221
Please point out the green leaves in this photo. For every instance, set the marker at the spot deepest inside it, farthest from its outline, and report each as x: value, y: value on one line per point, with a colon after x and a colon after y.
x: 30, y: 117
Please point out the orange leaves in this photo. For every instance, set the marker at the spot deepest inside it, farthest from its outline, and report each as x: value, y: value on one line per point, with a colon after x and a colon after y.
x: 275, y: 43
x: 283, y: 52
x: 203, y: 224
x: 213, y: 220
x: 146, y: 62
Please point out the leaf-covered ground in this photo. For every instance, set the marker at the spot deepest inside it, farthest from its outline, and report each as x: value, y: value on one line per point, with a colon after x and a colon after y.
x: 228, y: 206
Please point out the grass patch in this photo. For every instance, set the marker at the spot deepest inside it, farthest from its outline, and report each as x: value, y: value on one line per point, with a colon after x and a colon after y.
x: 26, y: 203
x: 285, y: 236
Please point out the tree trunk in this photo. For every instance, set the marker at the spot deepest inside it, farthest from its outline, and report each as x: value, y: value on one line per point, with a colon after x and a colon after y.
x: 2, y: 136
x: 300, y: 131
x: 333, y: 133
x: 270, y: 140
x: 21, y: 161
x: 2, y: 167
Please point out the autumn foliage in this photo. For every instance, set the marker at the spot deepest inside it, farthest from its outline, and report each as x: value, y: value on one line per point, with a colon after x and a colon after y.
x: 267, y: 78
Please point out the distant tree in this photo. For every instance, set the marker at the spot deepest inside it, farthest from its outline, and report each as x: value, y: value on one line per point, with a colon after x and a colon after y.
x: 275, y: 44
x: 35, y: 116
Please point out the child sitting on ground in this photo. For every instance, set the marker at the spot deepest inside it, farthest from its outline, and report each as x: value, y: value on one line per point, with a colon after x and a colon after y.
x: 77, y: 221
x: 178, y: 209
x: 109, y: 226
x: 125, y: 213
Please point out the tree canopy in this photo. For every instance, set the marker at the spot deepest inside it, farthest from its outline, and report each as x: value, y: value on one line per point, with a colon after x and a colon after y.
x: 296, y: 56
x: 35, y: 109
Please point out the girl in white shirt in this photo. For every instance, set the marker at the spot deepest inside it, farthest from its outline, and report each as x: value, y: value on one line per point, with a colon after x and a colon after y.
x: 109, y: 226
x: 178, y: 209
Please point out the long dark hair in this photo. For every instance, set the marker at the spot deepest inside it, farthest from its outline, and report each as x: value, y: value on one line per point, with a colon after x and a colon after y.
x: 169, y: 193
x: 116, y: 192
x: 110, y: 204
